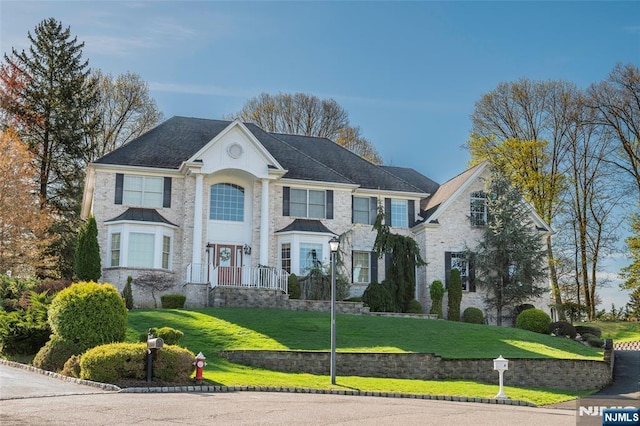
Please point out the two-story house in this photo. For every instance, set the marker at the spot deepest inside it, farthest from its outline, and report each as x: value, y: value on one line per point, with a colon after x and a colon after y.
x: 220, y: 203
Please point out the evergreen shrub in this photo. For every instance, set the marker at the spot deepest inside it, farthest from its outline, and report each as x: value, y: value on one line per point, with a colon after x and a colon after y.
x: 562, y: 329
x: 127, y: 293
x: 379, y: 297
x: 170, y: 336
x: 173, y: 301
x: 535, y: 320
x: 414, y: 307
x: 72, y: 367
x: 55, y: 353
x: 115, y: 362
x: 89, y: 314
x: 25, y: 331
x: 293, y: 285
x: 454, y: 293
x: 473, y: 315
x: 436, y: 291
x: 588, y: 329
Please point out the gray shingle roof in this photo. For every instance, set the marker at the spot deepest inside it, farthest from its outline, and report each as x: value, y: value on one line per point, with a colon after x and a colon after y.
x: 141, y: 215
x: 417, y: 179
x: 306, y: 225
x: 176, y: 140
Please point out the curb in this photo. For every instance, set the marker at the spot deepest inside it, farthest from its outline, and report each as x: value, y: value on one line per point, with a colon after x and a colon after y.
x: 229, y: 389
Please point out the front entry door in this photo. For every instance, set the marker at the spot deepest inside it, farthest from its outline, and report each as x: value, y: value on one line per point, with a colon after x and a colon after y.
x: 228, y: 259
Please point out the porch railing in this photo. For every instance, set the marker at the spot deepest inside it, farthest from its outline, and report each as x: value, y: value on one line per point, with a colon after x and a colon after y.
x: 238, y: 276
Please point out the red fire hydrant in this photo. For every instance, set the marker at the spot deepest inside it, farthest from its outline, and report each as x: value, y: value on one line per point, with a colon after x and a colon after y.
x: 199, y: 363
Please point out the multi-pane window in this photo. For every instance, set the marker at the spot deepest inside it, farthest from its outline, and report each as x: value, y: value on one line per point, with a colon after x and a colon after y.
x: 166, y: 251
x: 307, y: 203
x: 310, y: 256
x: 142, y: 191
x: 460, y: 262
x: 115, y: 249
x: 478, y: 205
x: 285, y: 257
x: 399, y: 213
x: 361, y: 268
x: 141, y: 250
x: 226, y: 202
x: 361, y: 210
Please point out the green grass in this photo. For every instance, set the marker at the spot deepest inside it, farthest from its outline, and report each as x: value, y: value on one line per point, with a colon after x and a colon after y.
x: 211, y: 330
x: 618, y: 331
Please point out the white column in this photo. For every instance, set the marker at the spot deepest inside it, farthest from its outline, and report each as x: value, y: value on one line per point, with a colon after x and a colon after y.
x: 264, y: 223
x: 196, y: 248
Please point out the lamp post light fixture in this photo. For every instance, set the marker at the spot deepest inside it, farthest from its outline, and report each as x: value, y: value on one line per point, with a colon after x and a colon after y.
x: 334, y: 244
x: 501, y: 365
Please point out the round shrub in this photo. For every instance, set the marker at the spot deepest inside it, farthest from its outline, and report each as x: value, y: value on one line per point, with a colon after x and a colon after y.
x: 587, y: 329
x: 534, y: 320
x: 173, y: 301
x: 562, y: 329
x: 89, y: 314
x: 473, y: 315
x: 170, y: 336
x: 117, y: 362
x: 595, y: 342
x: 414, y: 307
x: 55, y: 353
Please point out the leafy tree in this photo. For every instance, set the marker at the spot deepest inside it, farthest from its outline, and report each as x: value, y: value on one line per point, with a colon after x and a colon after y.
x: 307, y: 115
x: 631, y: 273
x: 617, y: 102
x: 125, y: 110
x: 24, y: 226
x: 87, y: 256
x: 405, y: 257
x: 522, y: 128
x: 509, y: 258
x: 48, y: 95
x: 454, y: 295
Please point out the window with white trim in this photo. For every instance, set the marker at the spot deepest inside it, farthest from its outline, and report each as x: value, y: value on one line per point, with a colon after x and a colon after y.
x: 478, y: 207
x: 307, y: 203
x: 310, y: 257
x: 285, y: 257
x: 361, y: 267
x: 361, y: 210
x: 226, y: 202
x: 135, y: 245
x: 459, y: 261
x: 143, y: 191
x: 399, y: 213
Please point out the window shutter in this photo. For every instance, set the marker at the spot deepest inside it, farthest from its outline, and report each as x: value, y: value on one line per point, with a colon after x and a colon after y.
x: 166, y: 196
x: 285, y: 200
x: 411, y: 212
x: 447, y: 268
x: 387, y: 211
x: 472, y: 276
x: 329, y: 204
x: 373, y: 210
x: 374, y: 267
x: 119, y: 188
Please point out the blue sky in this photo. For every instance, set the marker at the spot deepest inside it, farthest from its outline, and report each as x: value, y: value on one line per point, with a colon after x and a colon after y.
x: 408, y: 73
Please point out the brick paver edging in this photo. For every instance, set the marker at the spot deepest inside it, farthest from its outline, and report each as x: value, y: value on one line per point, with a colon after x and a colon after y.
x: 226, y: 389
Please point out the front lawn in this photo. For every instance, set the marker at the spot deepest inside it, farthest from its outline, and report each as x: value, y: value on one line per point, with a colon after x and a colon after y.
x: 215, y: 329
x: 618, y: 331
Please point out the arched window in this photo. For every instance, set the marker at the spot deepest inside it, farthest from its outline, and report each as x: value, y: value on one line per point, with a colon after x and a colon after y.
x: 226, y: 202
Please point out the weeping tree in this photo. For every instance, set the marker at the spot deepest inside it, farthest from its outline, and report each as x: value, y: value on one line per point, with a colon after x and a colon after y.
x: 404, y: 257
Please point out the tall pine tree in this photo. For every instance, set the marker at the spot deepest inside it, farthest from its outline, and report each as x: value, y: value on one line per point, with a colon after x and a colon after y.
x: 47, y: 93
x: 510, y: 258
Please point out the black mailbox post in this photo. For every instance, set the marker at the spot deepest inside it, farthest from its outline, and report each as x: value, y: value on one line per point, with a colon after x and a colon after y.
x: 153, y: 344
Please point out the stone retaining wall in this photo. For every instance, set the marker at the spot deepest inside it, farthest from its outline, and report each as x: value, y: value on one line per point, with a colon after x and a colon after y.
x: 541, y: 373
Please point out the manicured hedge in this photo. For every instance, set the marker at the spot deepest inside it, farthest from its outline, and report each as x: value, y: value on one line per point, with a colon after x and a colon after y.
x: 114, y: 362
x: 473, y: 315
x: 534, y: 320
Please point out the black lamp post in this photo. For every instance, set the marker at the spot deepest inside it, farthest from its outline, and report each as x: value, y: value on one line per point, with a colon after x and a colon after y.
x: 334, y: 244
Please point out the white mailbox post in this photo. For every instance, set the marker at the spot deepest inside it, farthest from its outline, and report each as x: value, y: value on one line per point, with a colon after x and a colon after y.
x: 501, y: 365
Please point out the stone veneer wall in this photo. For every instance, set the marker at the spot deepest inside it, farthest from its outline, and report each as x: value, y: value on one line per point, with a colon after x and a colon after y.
x: 571, y: 375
